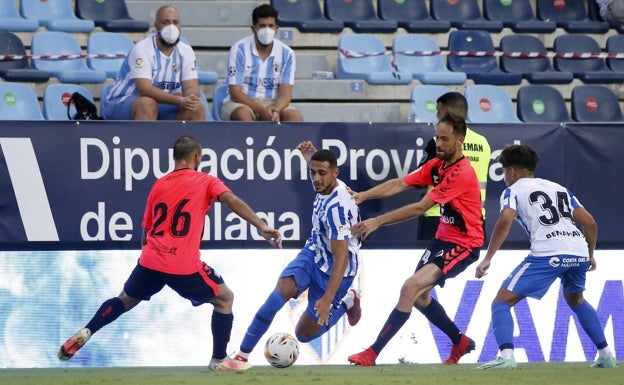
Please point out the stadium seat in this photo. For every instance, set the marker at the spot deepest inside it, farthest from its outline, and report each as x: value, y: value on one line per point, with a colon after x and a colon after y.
x: 539, y: 103
x: 73, y: 70
x: 218, y: 94
x: 517, y: 15
x: 481, y: 69
x: 363, y: 56
x: 10, y: 19
x: 204, y: 99
x: 18, y: 70
x: 359, y: 15
x: 489, y: 104
x: 305, y: 15
x: 428, y: 69
x: 615, y: 44
x: 103, y: 95
x: 423, y: 106
x: 110, y: 15
x: 56, y: 98
x: 412, y: 15
x: 465, y: 14
x: 537, y: 70
x: 55, y: 15
x: 595, y: 103
x: 592, y: 70
x: 203, y: 77
x: 110, y: 44
x: 570, y: 15
x: 18, y: 102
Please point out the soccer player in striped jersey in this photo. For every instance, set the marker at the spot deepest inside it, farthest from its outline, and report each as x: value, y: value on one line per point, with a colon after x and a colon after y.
x: 326, y: 266
x: 173, y: 224
x: 549, y: 213
x: 158, y: 78
x: 456, y: 244
x: 260, y: 74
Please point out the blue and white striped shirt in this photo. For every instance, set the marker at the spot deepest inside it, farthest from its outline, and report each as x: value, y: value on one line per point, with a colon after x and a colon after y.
x: 333, y: 215
x: 260, y: 78
x: 145, y: 61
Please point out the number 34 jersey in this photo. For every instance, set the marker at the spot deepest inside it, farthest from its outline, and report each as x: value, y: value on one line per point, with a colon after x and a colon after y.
x: 174, y: 220
x: 544, y: 209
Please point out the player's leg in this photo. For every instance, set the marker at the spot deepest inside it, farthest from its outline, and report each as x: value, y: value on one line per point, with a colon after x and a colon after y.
x: 573, y: 285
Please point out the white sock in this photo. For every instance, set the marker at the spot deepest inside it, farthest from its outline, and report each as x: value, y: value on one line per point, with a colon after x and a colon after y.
x: 507, y: 354
x: 348, y: 299
x: 604, y: 352
x: 243, y: 354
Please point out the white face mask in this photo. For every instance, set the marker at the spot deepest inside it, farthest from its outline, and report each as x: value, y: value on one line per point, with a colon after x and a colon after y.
x: 265, y: 35
x: 170, y: 34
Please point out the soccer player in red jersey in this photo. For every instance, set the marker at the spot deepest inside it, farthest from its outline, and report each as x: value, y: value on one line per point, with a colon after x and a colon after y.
x: 456, y: 244
x: 172, y: 229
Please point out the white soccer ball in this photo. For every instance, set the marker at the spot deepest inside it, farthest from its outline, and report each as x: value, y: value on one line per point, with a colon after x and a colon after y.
x: 281, y: 350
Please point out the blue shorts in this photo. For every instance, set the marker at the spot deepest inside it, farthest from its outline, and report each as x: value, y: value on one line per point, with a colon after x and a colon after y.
x: 450, y: 257
x: 534, y: 276
x: 198, y: 288
x: 120, y: 110
x: 308, y: 276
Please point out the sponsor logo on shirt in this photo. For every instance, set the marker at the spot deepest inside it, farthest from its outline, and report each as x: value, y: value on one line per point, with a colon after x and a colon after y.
x: 138, y: 63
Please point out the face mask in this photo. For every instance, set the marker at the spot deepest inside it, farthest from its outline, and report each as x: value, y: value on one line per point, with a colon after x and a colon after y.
x: 170, y: 34
x: 265, y: 35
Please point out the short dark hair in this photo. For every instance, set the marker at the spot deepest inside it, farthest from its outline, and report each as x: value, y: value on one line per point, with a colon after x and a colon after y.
x: 518, y: 155
x: 325, y: 156
x: 185, y: 146
x: 457, y: 123
x: 262, y: 11
x: 455, y: 102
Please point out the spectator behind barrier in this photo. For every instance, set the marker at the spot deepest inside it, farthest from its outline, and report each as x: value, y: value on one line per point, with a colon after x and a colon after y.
x: 612, y: 10
x: 158, y: 78
x: 260, y: 74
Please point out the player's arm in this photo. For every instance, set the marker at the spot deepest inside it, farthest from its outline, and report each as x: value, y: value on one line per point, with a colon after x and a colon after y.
x: 590, y: 229
x: 363, y: 229
x: 243, y: 210
x: 340, y: 251
x: 499, y: 235
x: 388, y: 188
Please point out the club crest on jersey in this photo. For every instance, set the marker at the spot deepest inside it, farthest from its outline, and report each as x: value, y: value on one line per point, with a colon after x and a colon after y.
x: 231, y: 71
x: 276, y: 67
x: 138, y: 63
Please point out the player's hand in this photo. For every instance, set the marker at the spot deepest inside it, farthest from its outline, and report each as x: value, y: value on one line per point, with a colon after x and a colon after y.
x: 592, y: 264
x: 322, y: 309
x: 307, y: 149
x: 357, y: 196
x: 363, y: 229
x: 275, y: 114
x: 190, y: 102
x: 482, y: 269
x: 266, y: 115
x: 273, y: 236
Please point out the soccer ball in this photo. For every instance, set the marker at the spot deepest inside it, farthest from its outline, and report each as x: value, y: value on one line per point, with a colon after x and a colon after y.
x: 281, y: 350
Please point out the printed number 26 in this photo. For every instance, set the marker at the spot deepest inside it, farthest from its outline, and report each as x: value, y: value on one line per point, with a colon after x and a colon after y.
x: 180, y: 220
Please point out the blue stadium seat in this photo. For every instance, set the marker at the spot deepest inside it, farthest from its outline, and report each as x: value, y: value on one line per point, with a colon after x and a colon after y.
x: 110, y: 15
x: 56, y: 98
x: 18, y: 70
x: 464, y: 14
x: 423, y: 102
x: 517, y: 15
x: 363, y: 56
x: 412, y: 15
x: 429, y: 69
x: 108, y: 43
x: 66, y: 70
x: 203, y: 77
x: 55, y: 15
x: 595, y: 103
x: 482, y: 69
x: 10, y: 19
x: 489, y: 104
x: 587, y: 70
x: 359, y: 15
x: 18, y: 102
x: 537, y: 70
x: 304, y: 15
x: 103, y: 95
x: 539, y: 103
x: 218, y: 94
x: 615, y: 44
x: 570, y: 15
x: 204, y: 99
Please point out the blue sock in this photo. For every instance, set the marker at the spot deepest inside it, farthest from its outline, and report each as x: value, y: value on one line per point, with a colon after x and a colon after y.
x: 109, y: 311
x: 503, y: 325
x: 588, y: 318
x: 395, y: 322
x: 221, y: 327
x: 336, y: 314
x: 262, y: 321
x: 436, y: 314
